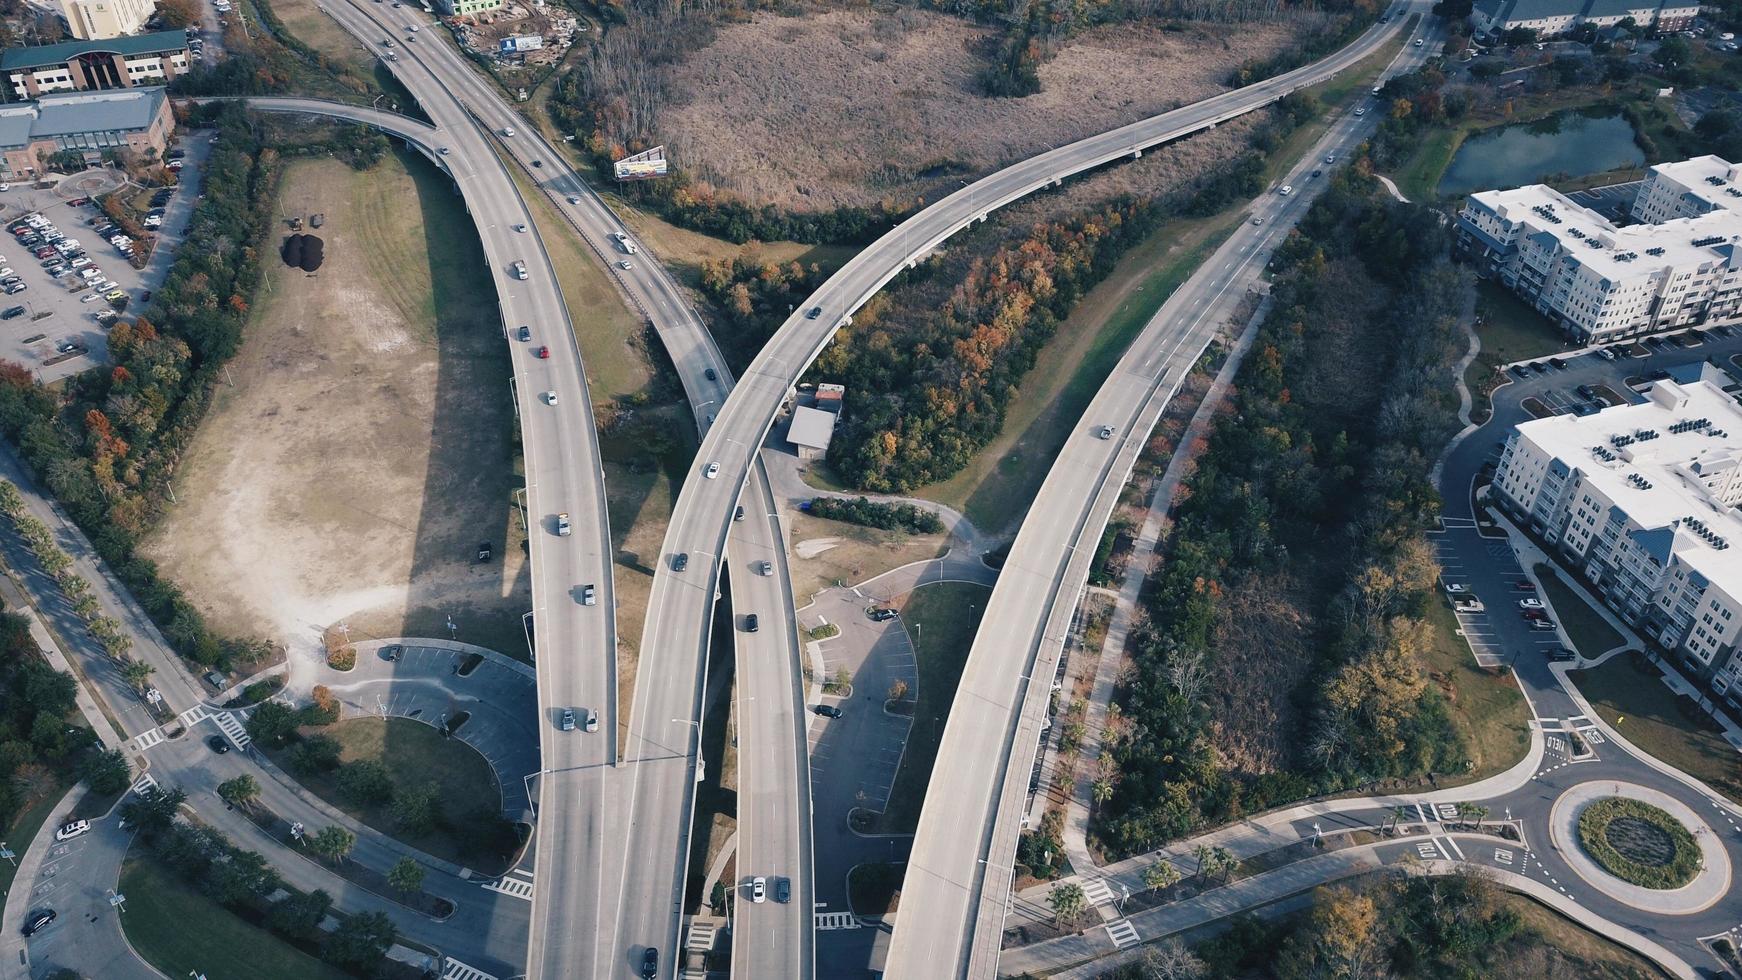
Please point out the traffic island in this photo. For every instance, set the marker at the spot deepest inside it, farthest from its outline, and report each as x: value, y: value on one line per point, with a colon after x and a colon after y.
x: 1640, y: 846
x: 1639, y: 843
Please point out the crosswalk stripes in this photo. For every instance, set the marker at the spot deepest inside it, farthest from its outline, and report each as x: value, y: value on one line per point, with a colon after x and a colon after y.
x: 193, y: 716
x: 1097, y: 891
x: 146, y: 740
x: 827, y: 921
x: 701, y: 936
x: 232, y: 728
x: 455, y: 970
x: 1122, y: 932
x: 517, y: 883
x: 145, y: 784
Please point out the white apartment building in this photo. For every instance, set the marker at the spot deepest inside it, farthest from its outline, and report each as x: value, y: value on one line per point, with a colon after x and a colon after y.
x: 1641, y: 500
x: 1601, y: 282
x: 97, y: 19
x: 1688, y: 189
x: 1550, y: 17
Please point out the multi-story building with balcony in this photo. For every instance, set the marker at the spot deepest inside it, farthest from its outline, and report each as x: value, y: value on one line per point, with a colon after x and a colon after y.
x: 1641, y: 501
x: 1600, y: 281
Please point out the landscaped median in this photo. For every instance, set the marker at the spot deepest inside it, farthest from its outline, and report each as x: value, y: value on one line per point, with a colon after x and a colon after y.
x: 1639, y: 843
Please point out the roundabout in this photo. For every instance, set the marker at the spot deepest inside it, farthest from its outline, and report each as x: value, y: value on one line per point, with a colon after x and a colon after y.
x: 1640, y: 846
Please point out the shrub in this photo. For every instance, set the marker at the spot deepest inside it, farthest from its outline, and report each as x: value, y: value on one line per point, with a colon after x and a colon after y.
x: 870, y: 513
x: 344, y: 658
x: 272, y: 724
x: 1598, y: 819
x: 365, y: 782
x: 262, y: 689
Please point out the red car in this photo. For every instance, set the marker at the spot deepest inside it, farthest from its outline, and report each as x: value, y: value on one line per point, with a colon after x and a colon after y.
x: 1535, y: 614
x: 544, y: 352
x: 1525, y: 586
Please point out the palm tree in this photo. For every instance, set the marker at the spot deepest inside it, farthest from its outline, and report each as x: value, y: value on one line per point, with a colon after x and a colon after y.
x: 1068, y: 901
x: 1225, y: 862
x: 1202, y: 853
x: 1160, y: 875
x: 240, y: 791
x: 137, y: 673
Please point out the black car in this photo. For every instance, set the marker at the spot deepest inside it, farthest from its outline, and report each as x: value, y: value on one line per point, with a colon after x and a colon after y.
x: 710, y: 375
x: 1559, y: 364
x: 813, y: 313
x: 217, y: 744
x: 680, y: 561
x: 525, y: 332
x: 783, y: 890
x: 649, y: 956
x: 881, y: 615
x: 12, y: 313
x: 37, y: 920
x: 751, y: 623
x: 827, y: 711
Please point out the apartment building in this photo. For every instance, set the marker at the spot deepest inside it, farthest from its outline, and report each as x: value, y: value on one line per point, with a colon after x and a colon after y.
x: 467, y: 8
x: 1551, y: 17
x: 1641, y: 501
x: 143, y: 59
x: 1602, y: 282
x: 97, y: 19
x: 87, y: 123
x: 1688, y: 189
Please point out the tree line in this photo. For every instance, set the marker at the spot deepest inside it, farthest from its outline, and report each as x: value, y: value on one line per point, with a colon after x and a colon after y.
x: 872, y: 513
x: 1327, y: 487
x: 40, y: 738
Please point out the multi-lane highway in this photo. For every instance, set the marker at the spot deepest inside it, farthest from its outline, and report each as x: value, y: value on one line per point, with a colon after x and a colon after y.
x: 579, y: 927
x: 959, y: 875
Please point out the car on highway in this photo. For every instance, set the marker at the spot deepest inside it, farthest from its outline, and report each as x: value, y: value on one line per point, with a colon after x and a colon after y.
x: 519, y: 270
x: 550, y: 397
x: 520, y: 228
x: 1106, y: 432
x: 712, y: 471
x: 827, y: 710
x: 1257, y: 220
x: 37, y: 920
x: 1285, y: 190
x: 680, y: 561
x: 589, y: 720
x: 543, y: 352
x: 625, y: 265
x: 589, y: 595
x: 563, y: 527
x: 76, y: 828
x: 444, y: 151
x: 1530, y: 603
x: 1418, y: 42
x: 813, y: 313
x: 783, y: 890
x: 759, y: 889
x: 524, y: 333
x: 649, y: 963
x: 217, y: 744
x: 574, y: 199
x: 709, y: 374
x: 1330, y: 158
x: 508, y: 132
x: 568, y: 721
x: 1361, y: 112
x: 752, y: 624
x: 765, y: 568
x: 738, y: 514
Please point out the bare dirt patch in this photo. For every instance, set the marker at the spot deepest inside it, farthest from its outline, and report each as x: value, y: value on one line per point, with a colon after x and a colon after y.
x: 365, y: 448
x: 853, y: 107
x: 826, y: 552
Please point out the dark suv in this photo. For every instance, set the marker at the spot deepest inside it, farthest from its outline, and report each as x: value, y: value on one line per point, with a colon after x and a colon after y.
x: 680, y: 561
x: 650, y: 962
x: 751, y: 623
x: 827, y: 711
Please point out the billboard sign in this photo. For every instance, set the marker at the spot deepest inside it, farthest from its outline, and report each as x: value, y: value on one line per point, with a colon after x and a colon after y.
x: 643, y: 166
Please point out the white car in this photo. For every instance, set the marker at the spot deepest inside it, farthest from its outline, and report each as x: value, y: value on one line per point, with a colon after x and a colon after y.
x: 713, y: 471
x: 443, y: 151
x: 508, y: 132
x: 625, y: 266
x: 550, y: 398
x: 91, y: 272
x: 77, y: 828
x: 5, y: 186
x: 89, y: 298
x: 1360, y: 112
x: 1531, y: 603
x: 573, y: 199
x: 81, y: 263
x: 759, y: 889
x: 1286, y: 190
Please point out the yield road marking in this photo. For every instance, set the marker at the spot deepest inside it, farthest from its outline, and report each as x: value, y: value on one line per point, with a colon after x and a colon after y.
x: 1122, y: 932
x: 455, y: 970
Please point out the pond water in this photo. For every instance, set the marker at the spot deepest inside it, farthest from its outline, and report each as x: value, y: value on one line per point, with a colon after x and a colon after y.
x: 1569, y: 143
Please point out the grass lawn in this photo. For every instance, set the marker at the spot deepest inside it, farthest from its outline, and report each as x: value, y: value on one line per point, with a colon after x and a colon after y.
x: 416, y: 755
x: 1590, y: 632
x: 1486, y: 705
x: 952, y: 610
x: 1001, y: 480
x: 1511, y: 330
x: 857, y: 553
x: 609, y: 332
x: 1601, y: 958
x: 1630, y: 695
x: 180, y: 931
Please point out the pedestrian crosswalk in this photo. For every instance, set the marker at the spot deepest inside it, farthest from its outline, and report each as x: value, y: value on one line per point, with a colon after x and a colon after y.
x: 836, y: 920
x: 701, y: 936
x: 455, y: 970
x: 231, y: 728
x: 146, y: 740
x: 193, y: 716
x: 1122, y: 932
x: 517, y: 883
x: 145, y: 785
x: 1098, y: 891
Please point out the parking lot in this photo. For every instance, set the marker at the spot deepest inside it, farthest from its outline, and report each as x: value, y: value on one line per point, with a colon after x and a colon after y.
x: 58, y: 334
x: 1612, y: 201
x: 1584, y: 383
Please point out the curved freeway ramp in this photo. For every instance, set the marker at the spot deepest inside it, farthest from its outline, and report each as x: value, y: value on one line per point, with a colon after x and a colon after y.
x: 675, y: 644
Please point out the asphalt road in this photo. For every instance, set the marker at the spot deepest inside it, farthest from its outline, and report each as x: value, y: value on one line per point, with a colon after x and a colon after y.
x: 959, y: 876
x: 593, y: 917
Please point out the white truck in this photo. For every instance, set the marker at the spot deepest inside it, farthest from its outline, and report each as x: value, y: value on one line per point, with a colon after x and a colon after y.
x: 563, y: 527
x: 519, y: 270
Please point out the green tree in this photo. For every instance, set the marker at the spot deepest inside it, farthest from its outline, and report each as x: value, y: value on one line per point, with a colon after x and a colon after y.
x: 1068, y: 902
x: 415, y: 811
x: 298, y: 915
x: 1159, y: 875
x: 239, y: 791
x: 242, y: 877
x: 137, y: 673
x: 153, y: 812
x: 105, y: 771
x: 314, y: 755
x: 333, y: 843
x: 360, y: 941
x: 272, y: 724
x: 406, y: 875
x: 365, y: 782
